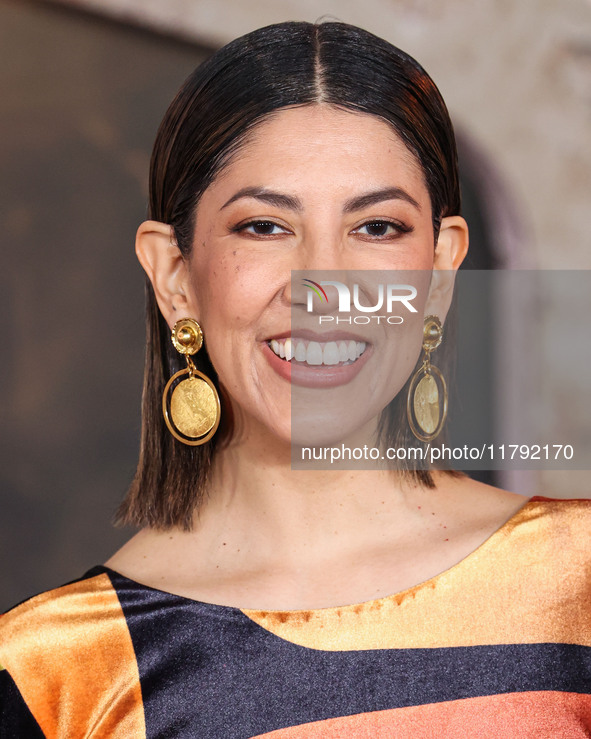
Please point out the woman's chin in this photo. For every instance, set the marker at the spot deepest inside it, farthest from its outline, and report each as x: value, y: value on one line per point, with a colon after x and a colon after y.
x: 299, y: 434
x: 354, y: 435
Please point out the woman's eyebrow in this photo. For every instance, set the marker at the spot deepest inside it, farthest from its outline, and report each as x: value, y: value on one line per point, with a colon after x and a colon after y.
x: 290, y: 202
x: 379, y: 196
x: 266, y: 196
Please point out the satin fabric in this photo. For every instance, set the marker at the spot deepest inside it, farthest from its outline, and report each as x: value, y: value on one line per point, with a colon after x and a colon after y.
x: 499, y: 645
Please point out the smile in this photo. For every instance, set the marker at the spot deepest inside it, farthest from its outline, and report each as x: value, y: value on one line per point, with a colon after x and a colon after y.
x: 306, y: 360
x: 316, y: 353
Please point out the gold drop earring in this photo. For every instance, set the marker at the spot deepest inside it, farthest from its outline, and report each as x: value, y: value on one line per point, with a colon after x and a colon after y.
x: 426, y: 402
x: 191, y: 406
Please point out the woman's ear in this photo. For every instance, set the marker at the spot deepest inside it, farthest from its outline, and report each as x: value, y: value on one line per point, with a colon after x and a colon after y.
x: 450, y: 251
x: 166, y: 268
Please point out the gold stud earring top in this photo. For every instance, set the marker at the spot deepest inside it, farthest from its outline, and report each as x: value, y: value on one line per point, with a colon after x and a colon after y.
x: 187, y: 336
x: 432, y: 333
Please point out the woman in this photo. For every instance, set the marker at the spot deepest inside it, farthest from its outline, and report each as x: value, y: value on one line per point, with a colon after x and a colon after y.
x: 296, y: 149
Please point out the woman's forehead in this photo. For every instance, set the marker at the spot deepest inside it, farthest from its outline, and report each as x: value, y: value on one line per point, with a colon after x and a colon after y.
x: 321, y: 146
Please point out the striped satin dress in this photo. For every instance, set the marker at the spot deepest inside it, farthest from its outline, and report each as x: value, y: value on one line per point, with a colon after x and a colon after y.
x: 497, y: 646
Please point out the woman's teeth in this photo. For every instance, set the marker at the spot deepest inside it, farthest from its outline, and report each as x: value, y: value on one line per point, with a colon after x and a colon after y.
x: 317, y: 353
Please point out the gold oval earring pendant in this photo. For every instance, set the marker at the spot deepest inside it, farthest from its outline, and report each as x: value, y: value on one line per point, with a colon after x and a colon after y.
x: 191, y: 408
x: 427, y: 403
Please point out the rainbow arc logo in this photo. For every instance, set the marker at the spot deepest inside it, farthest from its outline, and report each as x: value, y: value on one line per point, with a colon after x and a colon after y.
x: 318, y: 289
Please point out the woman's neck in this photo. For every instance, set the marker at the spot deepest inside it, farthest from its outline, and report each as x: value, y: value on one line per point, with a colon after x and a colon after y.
x: 258, y: 499
x: 268, y: 536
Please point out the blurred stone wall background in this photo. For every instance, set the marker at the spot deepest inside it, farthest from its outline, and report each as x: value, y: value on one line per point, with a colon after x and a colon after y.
x: 81, y: 101
x: 85, y: 83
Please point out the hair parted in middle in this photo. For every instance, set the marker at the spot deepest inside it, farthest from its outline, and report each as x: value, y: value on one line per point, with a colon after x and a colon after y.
x: 286, y: 64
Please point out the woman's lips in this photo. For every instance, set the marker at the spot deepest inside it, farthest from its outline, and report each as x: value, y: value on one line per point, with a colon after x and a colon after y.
x: 317, y: 364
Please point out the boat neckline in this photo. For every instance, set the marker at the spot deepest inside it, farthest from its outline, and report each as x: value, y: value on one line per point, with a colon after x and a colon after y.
x: 496, y: 534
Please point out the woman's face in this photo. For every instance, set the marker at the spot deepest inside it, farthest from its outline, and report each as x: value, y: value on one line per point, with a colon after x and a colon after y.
x: 313, y: 188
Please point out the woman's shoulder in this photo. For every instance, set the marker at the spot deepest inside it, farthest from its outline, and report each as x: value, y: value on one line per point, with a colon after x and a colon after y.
x: 534, y: 546
x: 539, y: 561
x: 555, y: 530
x: 557, y: 504
x: 481, y: 506
x: 565, y: 521
x: 542, y: 522
x: 73, y: 641
x: 57, y: 627
x: 65, y: 606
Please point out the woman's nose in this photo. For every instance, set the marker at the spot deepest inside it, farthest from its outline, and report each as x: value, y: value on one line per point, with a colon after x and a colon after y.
x: 320, y: 252
x: 306, y: 281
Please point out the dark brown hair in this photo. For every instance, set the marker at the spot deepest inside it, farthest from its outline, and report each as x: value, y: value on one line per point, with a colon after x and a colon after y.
x: 218, y: 105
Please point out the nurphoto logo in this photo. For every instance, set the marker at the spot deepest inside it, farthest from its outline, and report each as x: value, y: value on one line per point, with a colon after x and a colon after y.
x: 387, y: 296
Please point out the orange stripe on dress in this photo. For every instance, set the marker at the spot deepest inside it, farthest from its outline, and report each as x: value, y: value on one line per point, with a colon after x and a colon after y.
x: 70, y: 654
x: 528, y: 583
x: 532, y: 715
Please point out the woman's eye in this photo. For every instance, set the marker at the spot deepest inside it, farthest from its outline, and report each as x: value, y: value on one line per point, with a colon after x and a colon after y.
x: 382, y: 229
x: 261, y: 228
